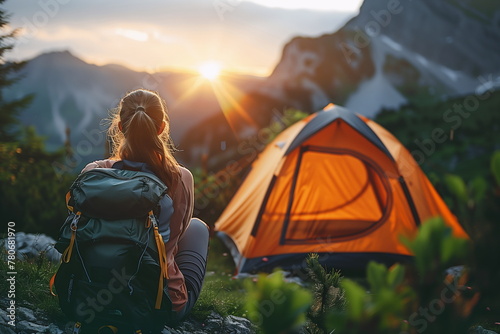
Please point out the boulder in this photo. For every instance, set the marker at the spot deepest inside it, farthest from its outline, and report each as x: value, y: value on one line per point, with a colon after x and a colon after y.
x: 29, y: 321
x: 34, y: 245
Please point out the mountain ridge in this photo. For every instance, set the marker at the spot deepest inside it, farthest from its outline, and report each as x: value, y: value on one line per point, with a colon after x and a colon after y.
x: 73, y: 94
x: 396, y: 30
x: 392, y: 53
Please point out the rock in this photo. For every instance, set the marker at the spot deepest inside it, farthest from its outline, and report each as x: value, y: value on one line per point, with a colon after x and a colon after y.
x: 26, y: 314
x: 53, y: 329
x: 237, y: 325
x: 193, y: 326
x: 3, y: 317
x: 481, y: 330
x: 33, y: 321
x: 456, y: 271
x: 30, y: 327
x: 5, y: 329
x: 214, y: 323
x: 34, y: 245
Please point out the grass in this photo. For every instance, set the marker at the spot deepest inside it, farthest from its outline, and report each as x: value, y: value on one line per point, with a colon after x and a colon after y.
x: 32, y: 286
x: 221, y: 293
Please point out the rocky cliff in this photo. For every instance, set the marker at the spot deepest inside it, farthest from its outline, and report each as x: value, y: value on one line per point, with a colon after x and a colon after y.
x: 392, y: 53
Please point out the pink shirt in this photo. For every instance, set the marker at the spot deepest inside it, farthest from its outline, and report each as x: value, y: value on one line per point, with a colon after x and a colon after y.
x: 183, y: 199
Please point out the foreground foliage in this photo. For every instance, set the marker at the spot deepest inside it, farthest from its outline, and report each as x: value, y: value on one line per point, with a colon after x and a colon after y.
x: 327, y: 292
x: 33, y: 192
x: 275, y: 305
x: 415, y: 298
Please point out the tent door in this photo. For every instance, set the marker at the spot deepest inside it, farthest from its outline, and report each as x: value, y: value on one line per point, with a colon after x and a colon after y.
x: 334, y: 194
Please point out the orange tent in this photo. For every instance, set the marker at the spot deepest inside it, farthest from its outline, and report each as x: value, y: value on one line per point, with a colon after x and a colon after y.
x: 336, y: 184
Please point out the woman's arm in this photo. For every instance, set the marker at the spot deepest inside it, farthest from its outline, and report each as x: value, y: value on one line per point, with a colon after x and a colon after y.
x: 183, y: 198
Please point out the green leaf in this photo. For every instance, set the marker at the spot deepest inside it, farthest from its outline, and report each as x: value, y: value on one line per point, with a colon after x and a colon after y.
x: 453, y: 249
x: 355, y: 296
x: 456, y: 186
x: 434, y: 247
x: 495, y: 166
x: 376, y: 274
x: 395, y: 276
x: 276, y: 305
x: 478, y: 187
x: 387, y: 302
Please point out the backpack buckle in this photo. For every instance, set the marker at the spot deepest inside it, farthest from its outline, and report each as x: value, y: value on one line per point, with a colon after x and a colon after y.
x: 74, y: 222
x: 152, y: 219
x: 66, y: 256
x: 77, y: 328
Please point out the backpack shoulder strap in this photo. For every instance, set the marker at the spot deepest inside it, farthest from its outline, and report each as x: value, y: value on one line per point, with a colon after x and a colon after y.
x: 162, y: 256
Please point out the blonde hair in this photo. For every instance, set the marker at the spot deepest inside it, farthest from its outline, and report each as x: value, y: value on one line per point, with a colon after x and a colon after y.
x: 136, y: 134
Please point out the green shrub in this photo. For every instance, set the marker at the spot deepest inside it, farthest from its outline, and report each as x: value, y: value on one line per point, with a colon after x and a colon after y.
x: 435, y: 249
x: 327, y: 292
x: 276, y: 306
x: 382, y: 309
x: 420, y: 297
x: 33, y: 193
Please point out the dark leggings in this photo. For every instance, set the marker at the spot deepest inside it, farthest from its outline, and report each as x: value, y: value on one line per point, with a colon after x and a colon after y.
x: 191, y: 259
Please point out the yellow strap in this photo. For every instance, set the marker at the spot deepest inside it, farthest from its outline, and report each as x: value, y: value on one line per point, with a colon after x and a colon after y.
x: 68, y: 196
x: 163, y: 266
x: 66, y: 256
x: 113, y: 329
x: 51, y: 284
x: 69, y: 250
x: 162, y: 253
x: 162, y: 257
x: 159, y: 295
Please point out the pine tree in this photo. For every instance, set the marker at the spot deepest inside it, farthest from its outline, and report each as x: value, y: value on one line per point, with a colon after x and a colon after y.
x: 32, y: 192
x: 9, y: 108
x: 328, y: 295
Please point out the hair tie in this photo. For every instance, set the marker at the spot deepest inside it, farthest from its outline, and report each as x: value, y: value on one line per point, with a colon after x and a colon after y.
x: 140, y: 108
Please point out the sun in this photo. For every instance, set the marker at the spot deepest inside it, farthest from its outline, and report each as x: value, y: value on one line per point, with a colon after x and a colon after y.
x: 210, y: 70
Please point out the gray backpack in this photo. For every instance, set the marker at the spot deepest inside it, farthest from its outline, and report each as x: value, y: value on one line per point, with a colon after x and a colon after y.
x: 113, y: 274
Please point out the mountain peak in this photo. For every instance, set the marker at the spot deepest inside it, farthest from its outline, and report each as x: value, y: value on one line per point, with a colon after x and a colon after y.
x: 64, y: 57
x: 461, y: 34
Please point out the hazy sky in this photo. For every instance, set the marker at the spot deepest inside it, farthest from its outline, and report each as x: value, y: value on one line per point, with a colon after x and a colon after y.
x: 242, y: 35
